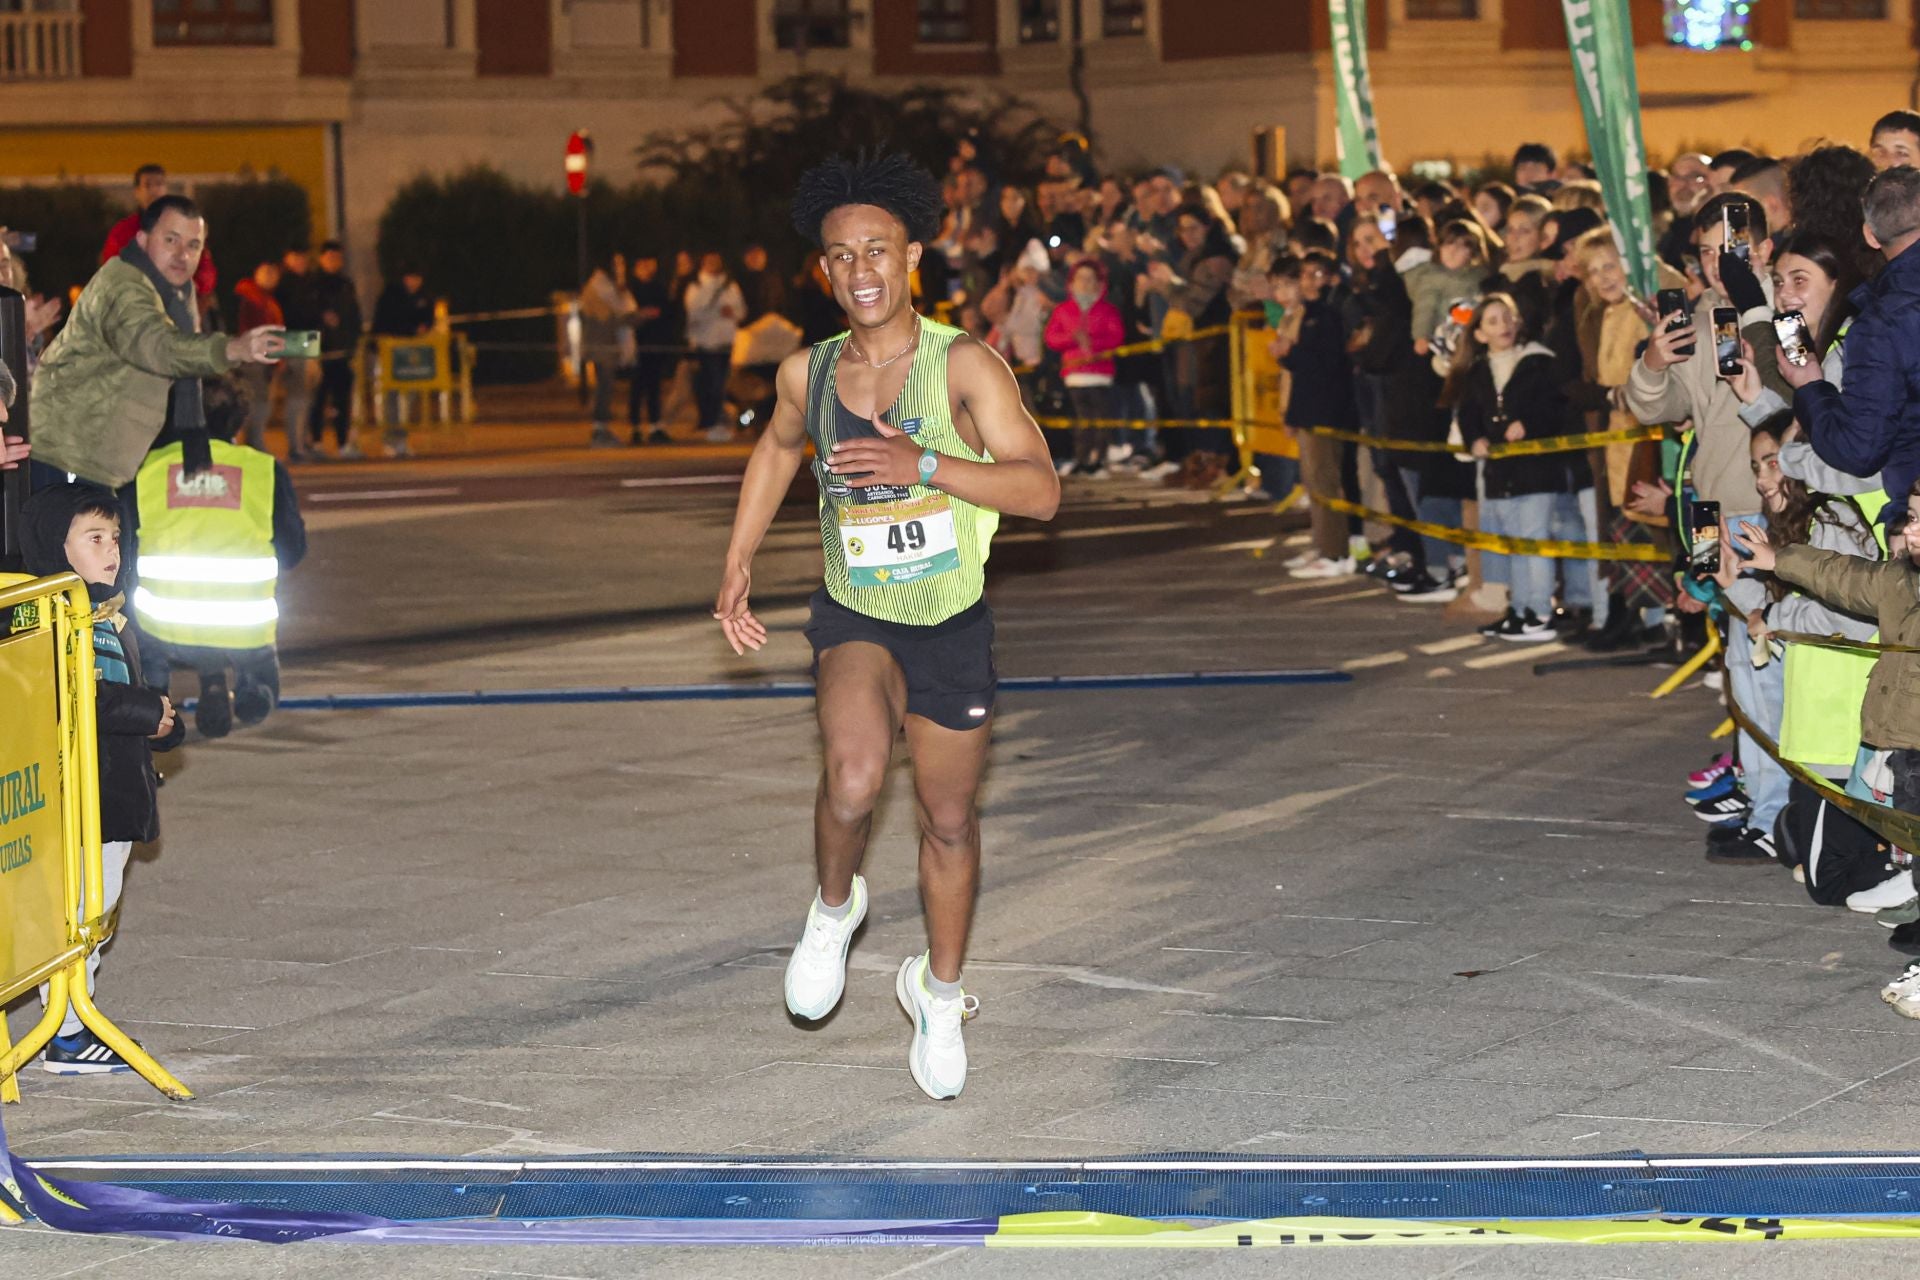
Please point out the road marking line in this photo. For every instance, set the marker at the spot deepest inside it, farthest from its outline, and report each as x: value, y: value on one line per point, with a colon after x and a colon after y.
x: 662, y: 482
x: 377, y: 495
x: 1298, y: 584
x: 1248, y: 544
x: 1352, y: 595
x: 1374, y: 660
x: 1439, y: 647
x: 1525, y: 652
x: 1440, y: 673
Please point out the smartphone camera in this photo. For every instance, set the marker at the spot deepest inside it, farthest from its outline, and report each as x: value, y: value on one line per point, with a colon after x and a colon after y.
x: 1796, y: 344
x: 1726, y: 340
x: 1704, y: 560
x: 1671, y: 304
x: 1737, y: 233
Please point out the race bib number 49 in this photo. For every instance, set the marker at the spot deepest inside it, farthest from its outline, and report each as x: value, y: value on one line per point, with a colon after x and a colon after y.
x: 896, y: 542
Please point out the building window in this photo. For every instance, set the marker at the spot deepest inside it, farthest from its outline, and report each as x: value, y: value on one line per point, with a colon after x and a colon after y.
x: 212, y: 22
x: 1424, y: 10
x: 945, y: 22
x: 1707, y: 25
x: 801, y: 25
x: 1123, y: 18
x: 1039, y: 21
x: 1842, y: 10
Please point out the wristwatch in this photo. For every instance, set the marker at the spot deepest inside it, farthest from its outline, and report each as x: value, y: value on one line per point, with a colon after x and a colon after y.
x: 929, y: 461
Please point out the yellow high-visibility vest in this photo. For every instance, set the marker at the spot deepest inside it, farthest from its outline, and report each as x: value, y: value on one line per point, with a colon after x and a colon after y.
x: 207, y: 569
x: 1820, y: 716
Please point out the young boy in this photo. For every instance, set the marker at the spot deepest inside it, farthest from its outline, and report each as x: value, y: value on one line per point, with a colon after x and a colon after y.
x: 77, y: 527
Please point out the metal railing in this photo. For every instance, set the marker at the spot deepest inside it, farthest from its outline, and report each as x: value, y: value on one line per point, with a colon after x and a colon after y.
x: 40, y: 46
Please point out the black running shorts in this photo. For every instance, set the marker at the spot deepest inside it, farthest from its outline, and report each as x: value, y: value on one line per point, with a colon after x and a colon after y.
x: 948, y: 666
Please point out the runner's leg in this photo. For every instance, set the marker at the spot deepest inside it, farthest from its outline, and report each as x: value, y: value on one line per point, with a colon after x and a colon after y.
x: 947, y: 768
x: 862, y: 696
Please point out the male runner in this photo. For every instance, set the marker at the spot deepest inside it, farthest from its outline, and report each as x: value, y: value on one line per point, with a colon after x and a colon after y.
x: 921, y: 442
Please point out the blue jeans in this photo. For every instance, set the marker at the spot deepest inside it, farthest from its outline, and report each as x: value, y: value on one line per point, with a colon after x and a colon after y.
x: 1761, y: 693
x: 1493, y: 564
x: 1530, y: 578
x: 1576, y: 518
x: 1441, y: 554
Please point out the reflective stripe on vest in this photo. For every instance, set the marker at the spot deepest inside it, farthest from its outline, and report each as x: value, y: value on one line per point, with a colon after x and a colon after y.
x: 207, y: 569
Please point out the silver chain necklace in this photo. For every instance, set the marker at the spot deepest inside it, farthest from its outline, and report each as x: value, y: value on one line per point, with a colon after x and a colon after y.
x: 871, y: 364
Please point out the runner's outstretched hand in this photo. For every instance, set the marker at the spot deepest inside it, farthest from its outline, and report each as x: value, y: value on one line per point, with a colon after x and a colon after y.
x: 892, y: 459
x: 737, y: 623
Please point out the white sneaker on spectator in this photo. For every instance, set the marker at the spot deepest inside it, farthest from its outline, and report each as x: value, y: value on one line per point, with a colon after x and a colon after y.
x: 1305, y: 557
x: 1891, y: 892
x: 1321, y: 567
x: 1906, y: 983
x: 1118, y: 453
x: 1064, y: 468
x: 1713, y: 680
x: 1159, y: 471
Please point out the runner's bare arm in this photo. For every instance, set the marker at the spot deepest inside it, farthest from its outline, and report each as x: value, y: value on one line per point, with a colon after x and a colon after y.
x: 1018, y: 482
x: 770, y: 471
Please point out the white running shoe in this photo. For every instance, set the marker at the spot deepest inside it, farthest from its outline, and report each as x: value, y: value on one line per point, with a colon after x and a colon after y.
x: 1159, y: 471
x: 817, y: 972
x: 938, y: 1058
x: 1891, y: 892
x: 1306, y: 557
x: 1903, y: 986
x: 1064, y: 467
x: 1321, y: 567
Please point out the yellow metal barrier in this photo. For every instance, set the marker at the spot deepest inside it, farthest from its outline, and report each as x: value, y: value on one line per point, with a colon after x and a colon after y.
x: 52, y: 910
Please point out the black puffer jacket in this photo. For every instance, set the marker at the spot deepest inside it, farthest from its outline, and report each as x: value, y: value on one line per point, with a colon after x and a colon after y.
x: 128, y: 713
x: 1533, y: 398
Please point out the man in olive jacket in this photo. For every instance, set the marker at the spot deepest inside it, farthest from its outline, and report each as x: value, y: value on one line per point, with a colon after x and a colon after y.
x: 131, y: 356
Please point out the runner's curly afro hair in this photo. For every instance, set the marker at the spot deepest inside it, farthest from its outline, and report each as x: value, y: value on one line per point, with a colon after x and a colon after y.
x: 888, y: 180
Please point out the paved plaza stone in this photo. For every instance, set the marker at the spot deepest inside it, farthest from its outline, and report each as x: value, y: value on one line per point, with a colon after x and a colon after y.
x: 1448, y: 907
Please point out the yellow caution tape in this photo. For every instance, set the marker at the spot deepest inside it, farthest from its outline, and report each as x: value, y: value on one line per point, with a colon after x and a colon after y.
x: 1148, y: 347
x: 1514, y: 449
x: 1059, y: 1230
x: 1902, y: 829
x: 1840, y: 642
x: 1501, y: 542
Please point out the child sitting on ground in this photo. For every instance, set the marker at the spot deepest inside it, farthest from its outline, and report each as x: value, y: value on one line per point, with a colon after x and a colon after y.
x: 76, y: 527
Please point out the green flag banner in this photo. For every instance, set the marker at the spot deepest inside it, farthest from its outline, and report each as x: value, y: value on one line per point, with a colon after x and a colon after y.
x: 1356, y: 138
x: 1600, y: 36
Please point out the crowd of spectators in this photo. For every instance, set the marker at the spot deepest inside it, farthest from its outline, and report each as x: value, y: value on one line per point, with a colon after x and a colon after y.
x: 1758, y: 414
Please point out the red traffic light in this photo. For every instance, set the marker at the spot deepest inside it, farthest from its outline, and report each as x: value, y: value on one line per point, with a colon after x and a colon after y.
x: 579, y: 153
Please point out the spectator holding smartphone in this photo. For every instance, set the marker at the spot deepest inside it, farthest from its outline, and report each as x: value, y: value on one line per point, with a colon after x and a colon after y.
x: 1873, y: 424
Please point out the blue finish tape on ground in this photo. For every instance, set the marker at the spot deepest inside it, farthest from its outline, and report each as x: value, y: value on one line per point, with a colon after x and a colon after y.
x: 1164, y: 1200
x: 778, y: 689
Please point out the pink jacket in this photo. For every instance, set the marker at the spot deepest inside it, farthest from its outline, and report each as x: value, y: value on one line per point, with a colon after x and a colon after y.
x: 1102, y: 327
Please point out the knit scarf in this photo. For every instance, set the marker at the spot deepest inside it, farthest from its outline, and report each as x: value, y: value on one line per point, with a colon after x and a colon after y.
x: 185, y: 413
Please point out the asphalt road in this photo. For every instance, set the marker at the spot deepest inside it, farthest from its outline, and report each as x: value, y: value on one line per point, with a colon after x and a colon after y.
x: 1449, y: 907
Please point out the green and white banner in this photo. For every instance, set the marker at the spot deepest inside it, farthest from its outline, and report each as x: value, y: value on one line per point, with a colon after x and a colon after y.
x: 1600, y: 36
x: 1356, y: 138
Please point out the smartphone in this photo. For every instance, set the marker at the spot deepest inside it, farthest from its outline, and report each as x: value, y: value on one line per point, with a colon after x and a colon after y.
x: 1389, y: 221
x: 1671, y: 304
x: 1726, y: 340
x: 1738, y: 235
x: 1704, y: 560
x: 1796, y: 344
x: 302, y: 344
